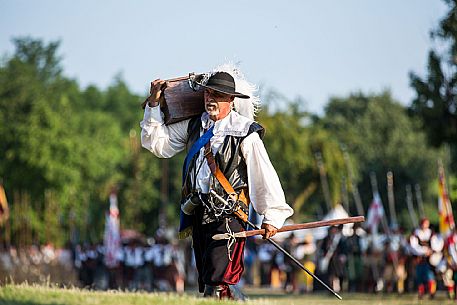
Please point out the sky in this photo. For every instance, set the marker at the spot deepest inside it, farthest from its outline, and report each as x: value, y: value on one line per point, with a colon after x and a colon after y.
x: 308, y: 49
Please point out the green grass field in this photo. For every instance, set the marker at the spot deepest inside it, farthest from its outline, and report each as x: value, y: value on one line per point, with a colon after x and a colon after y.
x: 28, y: 295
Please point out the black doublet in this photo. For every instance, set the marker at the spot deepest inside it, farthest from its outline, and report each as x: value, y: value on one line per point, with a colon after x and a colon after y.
x: 229, y: 158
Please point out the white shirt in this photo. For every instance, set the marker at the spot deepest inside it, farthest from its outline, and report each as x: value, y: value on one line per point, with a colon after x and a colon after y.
x: 418, y: 236
x: 133, y: 256
x: 452, y: 248
x: 265, y: 191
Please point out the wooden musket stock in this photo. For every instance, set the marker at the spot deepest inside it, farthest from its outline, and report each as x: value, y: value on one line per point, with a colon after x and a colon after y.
x: 300, y: 226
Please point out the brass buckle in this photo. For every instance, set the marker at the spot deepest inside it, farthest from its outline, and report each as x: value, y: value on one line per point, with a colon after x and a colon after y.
x: 207, y: 151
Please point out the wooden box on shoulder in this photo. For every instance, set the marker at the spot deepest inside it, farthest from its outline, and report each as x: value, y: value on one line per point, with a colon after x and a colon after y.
x: 181, y: 101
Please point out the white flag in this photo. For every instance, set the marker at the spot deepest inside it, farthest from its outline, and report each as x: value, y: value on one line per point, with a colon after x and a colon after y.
x: 375, y: 213
x: 112, y: 238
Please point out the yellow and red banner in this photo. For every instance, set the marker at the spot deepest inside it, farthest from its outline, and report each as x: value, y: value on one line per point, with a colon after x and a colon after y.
x: 4, y: 212
x: 446, y: 217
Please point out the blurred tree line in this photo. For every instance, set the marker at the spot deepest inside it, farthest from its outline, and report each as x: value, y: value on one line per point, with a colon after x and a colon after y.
x: 436, y: 100
x: 65, y: 148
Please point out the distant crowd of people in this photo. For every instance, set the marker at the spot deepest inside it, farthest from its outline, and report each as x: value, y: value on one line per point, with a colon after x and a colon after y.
x: 158, y: 266
x: 362, y: 261
x: 37, y: 264
x: 354, y: 260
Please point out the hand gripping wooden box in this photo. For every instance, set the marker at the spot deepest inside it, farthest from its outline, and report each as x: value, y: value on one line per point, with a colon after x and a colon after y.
x: 181, y: 99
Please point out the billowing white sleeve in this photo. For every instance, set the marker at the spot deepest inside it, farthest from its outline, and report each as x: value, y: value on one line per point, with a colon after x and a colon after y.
x: 163, y: 141
x: 265, y: 191
x: 437, y: 243
x: 416, y: 248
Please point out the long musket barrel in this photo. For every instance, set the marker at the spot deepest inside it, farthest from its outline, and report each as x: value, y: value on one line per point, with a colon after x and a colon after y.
x: 300, y: 226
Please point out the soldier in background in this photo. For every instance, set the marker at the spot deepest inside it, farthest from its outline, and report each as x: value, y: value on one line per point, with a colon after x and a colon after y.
x: 437, y: 260
x: 373, y: 244
x: 451, y: 258
x: 134, y: 260
x: 356, y: 251
x: 266, y: 254
x: 305, y: 252
x: 394, y: 269
x: 333, y: 257
x: 420, y: 243
x: 90, y: 262
x: 289, y: 267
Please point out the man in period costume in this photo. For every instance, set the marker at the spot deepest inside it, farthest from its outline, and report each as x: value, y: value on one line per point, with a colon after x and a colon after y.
x: 226, y: 140
x: 356, y: 253
x: 394, y: 274
x: 421, y: 246
x: 333, y: 257
x: 451, y: 257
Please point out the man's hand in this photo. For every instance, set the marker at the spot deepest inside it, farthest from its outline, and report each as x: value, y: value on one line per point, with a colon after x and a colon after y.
x: 270, y: 230
x: 155, y: 92
x: 428, y: 252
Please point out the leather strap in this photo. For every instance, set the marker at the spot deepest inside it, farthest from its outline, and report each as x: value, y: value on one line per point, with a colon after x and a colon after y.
x: 219, y: 175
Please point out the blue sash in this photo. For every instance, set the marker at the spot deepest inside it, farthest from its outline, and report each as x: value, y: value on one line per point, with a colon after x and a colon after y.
x: 186, y: 220
x: 195, y: 149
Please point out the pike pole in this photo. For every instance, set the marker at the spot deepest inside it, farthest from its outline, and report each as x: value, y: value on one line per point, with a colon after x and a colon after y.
x: 282, y: 250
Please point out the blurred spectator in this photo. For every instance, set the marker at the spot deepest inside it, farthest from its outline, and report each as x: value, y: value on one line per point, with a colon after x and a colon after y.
x: 305, y: 252
x: 394, y: 263
x: 266, y: 256
x: 420, y: 243
x: 289, y: 267
x: 333, y: 257
x: 356, y: 252
x: 373, y: 261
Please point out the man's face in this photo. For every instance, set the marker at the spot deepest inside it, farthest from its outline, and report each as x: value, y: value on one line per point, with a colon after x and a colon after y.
x: 217, y: 104
x: 425, y: 224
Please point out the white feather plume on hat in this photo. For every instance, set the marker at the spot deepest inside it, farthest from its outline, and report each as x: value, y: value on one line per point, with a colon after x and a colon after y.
x: 245, y: 107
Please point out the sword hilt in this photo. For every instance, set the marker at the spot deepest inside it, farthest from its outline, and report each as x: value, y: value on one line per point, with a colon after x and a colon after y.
x: 238, y: 212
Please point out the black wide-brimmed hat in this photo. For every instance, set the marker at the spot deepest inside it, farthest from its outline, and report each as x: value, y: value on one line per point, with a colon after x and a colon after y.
x: 223, y: 82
